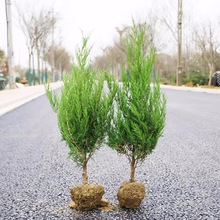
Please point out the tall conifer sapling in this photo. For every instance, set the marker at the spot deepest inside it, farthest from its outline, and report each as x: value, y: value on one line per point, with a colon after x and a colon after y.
x: 140, y: 108
x: 82, y: 111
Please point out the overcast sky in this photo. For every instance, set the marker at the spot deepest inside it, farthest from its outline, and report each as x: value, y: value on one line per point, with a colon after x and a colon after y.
x: 99, y: 18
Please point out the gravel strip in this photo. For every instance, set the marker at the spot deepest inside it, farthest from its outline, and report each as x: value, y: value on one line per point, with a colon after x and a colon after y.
x: 182, y: 176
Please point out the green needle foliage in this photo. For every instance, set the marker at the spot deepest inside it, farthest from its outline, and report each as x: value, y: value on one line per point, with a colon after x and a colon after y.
x: 140, y: 108
x: 83, y: 109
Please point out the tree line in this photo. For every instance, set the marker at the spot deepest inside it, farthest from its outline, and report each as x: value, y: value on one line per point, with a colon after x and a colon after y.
x: 200, y: 54
x: 38, y: 28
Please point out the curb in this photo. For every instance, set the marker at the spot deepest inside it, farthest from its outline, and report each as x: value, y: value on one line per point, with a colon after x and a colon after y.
x: 191, y: 89
x: 12, y: 99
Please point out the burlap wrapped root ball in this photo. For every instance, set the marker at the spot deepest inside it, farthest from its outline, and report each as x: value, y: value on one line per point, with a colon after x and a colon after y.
x: 131, y: 194
x: 88, y: 196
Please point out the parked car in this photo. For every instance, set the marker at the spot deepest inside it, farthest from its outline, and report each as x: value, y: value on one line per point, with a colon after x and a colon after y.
x: 216, y: 79
x: 2, y: 81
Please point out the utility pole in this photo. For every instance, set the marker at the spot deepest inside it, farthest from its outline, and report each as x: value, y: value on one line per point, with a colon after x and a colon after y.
x: 179, y: 59
x: 9, y: 42
x: 53, y: 63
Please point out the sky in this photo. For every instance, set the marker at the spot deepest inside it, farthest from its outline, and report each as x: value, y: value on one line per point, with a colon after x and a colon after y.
x: 98, y: 18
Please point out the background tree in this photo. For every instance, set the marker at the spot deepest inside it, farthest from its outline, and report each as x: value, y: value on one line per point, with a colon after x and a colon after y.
x: 115, y: 56
x: 165, y: 66
x: 36, y: 26
x: 60, y: 57
x: 207, y: 44
x: 3, y: 64
x: 25, y: 21
x: 43, y: 24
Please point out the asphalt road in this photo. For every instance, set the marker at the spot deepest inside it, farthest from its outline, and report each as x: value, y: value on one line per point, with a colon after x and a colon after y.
x: 182, y: 175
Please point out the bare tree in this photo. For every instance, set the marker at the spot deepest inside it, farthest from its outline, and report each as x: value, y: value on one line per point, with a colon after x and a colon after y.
x: 25, y: 24
x: 207, y: 43
x: 36, y: 27
x: 150, y: 35
x: 167, y: 14
x: 62, y: 59
x: 115, y: 56
x: 42, y: 27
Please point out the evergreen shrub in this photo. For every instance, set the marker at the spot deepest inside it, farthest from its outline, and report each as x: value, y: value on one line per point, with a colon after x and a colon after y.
x: 83, y: 109
x: 140, y: 108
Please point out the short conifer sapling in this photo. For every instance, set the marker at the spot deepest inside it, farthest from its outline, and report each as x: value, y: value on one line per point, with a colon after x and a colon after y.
x: 82, y: 112
x: 140, y: 108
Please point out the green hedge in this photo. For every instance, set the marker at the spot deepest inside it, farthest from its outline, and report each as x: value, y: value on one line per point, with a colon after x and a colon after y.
x: 196, y: 78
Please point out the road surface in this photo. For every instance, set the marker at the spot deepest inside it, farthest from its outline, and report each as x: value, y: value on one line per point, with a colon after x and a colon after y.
x: 182, y: 175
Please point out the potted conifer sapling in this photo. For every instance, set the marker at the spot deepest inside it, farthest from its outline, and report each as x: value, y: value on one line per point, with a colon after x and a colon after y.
x: 139, y: 116
x: 82, y: 111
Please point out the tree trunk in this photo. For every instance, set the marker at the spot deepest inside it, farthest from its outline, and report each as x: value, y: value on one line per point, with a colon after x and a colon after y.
x: 132, y: 169
x: 38, y: 61
x: 42, y: 71
x: 29, y: 70
x: 29, y: 61
x: 211, y: 71
x: 84, y: 173
x: 33, y: 73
